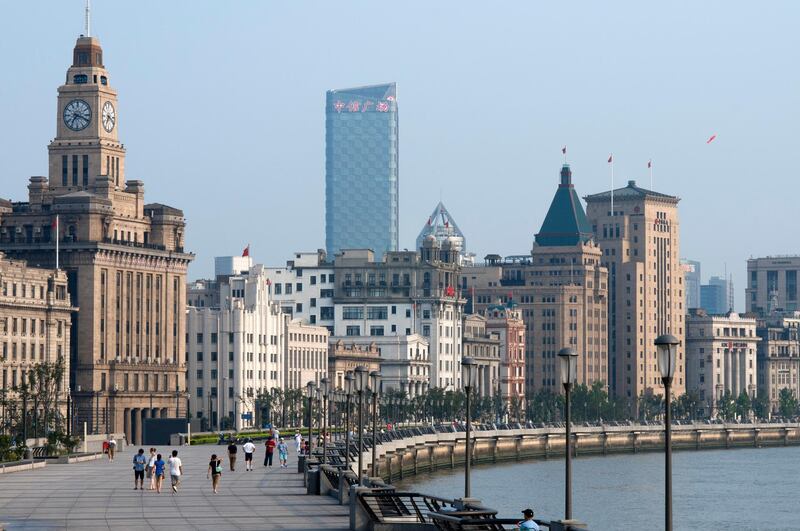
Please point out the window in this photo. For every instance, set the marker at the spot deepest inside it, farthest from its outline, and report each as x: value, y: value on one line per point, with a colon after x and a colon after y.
x: 326, y: 313
x: 63, y: 171
x: 299, y: 307
x: 299, y: 287
x: 376, y: 330
x: 352, y: 312
x: 353, y: 330
x: 377, y: 312
x: 199, y: 356
x: 74, y: 170
x: 199, y: 374
x: 199, y: 395
x: 288, y: 288
x: 80, y: 79
x: 313, y: 302
x: 313, y: 280
x: 85, y: 170
x: 408, y: 313
x: 213, y: 356
x: 326, y: 293
x: 200, y: 338
x: 214, y: 337
x: 278, y: 289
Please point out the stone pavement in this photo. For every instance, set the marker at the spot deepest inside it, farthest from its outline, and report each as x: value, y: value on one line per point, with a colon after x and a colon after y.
x: 98, y: 495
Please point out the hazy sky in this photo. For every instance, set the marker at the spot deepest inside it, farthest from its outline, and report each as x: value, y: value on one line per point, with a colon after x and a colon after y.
x: 222, y: 111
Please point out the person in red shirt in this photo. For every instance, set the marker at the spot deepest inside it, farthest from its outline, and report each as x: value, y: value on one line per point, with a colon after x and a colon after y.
x: 270, y: 444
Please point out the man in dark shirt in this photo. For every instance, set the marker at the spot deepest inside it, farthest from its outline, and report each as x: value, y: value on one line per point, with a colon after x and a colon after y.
x: 232, y: 454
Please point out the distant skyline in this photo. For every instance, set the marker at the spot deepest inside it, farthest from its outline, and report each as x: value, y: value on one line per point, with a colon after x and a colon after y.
x: 222, y: 111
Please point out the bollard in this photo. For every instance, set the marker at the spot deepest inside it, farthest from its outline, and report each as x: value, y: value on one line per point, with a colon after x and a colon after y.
x: 301, y: 464
x: 85, y: 441
x: 313, y: 481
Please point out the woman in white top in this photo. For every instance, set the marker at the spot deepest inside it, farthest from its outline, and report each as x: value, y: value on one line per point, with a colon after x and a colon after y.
x: 151, y: 469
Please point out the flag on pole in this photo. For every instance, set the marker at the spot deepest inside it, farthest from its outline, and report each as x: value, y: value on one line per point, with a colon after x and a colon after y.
x: 246, y: 251
x: 564, y: 150
x: 610, y: 159
x: 711, y: 139
x: 649, y: 164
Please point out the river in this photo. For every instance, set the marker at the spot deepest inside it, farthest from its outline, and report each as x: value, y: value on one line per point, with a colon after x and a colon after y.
x: 745, y: 488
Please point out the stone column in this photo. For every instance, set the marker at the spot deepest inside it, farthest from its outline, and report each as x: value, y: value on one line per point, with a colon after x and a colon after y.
x: 136, y: 425
x: 727, y: 362
x: 127, y: 425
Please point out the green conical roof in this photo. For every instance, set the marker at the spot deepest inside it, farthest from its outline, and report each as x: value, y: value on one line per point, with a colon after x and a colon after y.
x: 565, y: 223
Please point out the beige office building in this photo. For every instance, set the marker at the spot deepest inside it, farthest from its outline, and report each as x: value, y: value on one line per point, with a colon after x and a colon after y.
x: 720, y: 356
x: 779, y: 356
x: 35, y: 322
x: 347, y: 353
x: 124, y: 259
x: 306, y: 358
x: 560, y: 289
x: 638, y: 232
x: 772, y: 284
x: 484, y: 348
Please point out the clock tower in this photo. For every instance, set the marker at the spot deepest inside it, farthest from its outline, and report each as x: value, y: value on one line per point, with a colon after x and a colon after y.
x: 86, y: 145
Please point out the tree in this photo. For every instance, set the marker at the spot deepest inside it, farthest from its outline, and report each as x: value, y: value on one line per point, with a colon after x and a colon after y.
x: 787, y: 403
x: 761, y: 405
x: 743, y: 405
x: 726, y: 406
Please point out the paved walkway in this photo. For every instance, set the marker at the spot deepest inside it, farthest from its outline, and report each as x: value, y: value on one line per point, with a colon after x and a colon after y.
x: 99, y: 495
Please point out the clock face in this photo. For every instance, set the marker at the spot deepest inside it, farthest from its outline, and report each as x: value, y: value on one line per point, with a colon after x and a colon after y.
x: 77, y: 115
x: 109, y: 116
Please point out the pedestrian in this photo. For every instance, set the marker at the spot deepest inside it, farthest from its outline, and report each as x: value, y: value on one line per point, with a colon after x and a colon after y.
x: 270, y: 444
x: 112, y: 447
x: 232, y: 449
x: 159, y: 472
x: 215, y: 471
x: 298, y: 442
x: 151, y: 469
x: 175, y: 470
x: 306, y: 448
x: 283, y: 453
x: 248, y: 448
x: 139, y: 462
x: 528, y: 522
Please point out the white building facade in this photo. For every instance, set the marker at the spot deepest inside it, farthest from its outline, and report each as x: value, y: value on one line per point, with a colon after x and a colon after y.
x: 235, y: 347
x: 304, y: 288
x: 720, y: 356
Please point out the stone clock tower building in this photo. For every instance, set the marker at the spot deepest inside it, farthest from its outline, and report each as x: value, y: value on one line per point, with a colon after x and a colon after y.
x: 124, y: 259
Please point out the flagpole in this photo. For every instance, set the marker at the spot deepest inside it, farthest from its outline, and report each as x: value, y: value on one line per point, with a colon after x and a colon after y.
x: 650, y: 167
x: 57, y: 234
x: 612, y: 184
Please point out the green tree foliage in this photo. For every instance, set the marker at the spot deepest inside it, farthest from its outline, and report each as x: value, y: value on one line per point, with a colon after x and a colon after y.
x: 787, y: 403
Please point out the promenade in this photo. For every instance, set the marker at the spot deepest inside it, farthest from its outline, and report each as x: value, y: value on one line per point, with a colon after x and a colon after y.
x: 98, y: 495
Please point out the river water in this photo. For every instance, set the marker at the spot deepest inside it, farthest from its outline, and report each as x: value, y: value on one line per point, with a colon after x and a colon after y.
x: 743, y: 488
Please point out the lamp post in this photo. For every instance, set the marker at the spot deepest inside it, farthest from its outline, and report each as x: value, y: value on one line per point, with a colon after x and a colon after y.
x: 374, y: 383
x: 348, y: 392
x: 568, y: 359
x: 361, y: 374
x: 667, y: 347
x: 310, y: 388
x: 323, y: 393
x: 469, y: 371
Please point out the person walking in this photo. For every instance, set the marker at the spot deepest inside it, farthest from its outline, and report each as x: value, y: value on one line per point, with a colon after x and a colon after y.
x: 215, y: 471
x: 232, y: 449
x: 151, y: 469
x: 298, y: 442
x: 248, y: 448
x: 175, y: 470
x: 159, y: 472
x: 112, y: 447
x: 270, y: 444
x: 283, y: 453
x: 139, y: 462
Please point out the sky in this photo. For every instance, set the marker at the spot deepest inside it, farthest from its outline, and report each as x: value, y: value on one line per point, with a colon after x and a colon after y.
x: 222, y: 111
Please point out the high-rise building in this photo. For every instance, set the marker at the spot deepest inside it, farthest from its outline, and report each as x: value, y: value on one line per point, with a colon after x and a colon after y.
x: 772, y: 284
x: 716, y: 297
x: 560, y: 289
x: 235, y: 347
x: 361, y: 169
x: 720, y: 357
x: 691, y: 281
x: 124, y: 259
x: 637, y: 230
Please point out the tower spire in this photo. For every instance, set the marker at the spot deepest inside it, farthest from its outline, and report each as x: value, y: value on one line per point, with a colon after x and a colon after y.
x: 88, y: 19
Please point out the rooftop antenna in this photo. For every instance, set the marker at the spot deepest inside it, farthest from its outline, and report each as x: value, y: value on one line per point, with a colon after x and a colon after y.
x: 88, y: 19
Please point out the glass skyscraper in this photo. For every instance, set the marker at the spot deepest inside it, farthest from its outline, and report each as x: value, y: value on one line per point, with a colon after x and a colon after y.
x: 361, y: 169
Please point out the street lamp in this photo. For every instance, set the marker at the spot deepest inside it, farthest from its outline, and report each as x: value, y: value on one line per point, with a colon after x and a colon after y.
x: 322, y: 391
x: 667, y: 347
x: 374, y: 383
x: 348, y: 391
x: 361, y: 374
x: 310, y: 388
x: 568, y: 359
x: 469, y: 375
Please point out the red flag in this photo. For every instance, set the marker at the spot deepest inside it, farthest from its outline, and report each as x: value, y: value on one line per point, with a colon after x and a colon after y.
x: 430, y: 221
x: 649, y: 164
x: 711, y: 139
x: 610, y: 158
x: 54, y: 224
x: 246, y: 251
x: 564, y: 150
